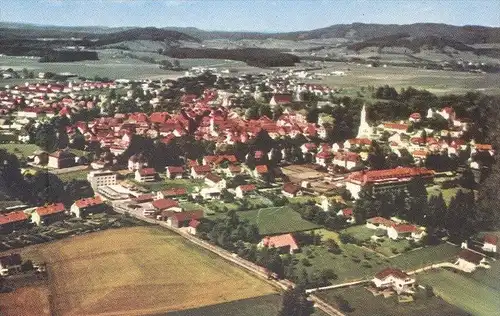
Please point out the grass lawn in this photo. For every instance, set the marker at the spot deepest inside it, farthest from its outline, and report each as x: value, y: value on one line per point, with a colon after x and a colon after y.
x: 328, y: 234
x: 488, y: 277
x: 220, y: 205
x: 259, y: 202
x: 190, y: 206
x: 466, y: 293
x: 189, y: 184
x: 364, y: 303
x: 419, y: 258
x: 360, y: 232
x: 277, y: 220
x: 447, y: 193
x: 20, y: 150
x: 303, y: 199
x: 77, y: 175
x: 139, y: 271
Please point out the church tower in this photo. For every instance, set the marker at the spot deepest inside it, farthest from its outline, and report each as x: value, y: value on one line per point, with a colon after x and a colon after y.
x: 364, y: 130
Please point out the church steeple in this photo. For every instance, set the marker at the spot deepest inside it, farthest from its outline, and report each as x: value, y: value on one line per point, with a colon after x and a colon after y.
x: 364, y: 130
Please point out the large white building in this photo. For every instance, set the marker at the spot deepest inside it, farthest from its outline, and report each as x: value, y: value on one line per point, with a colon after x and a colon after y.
x: 99, y: 179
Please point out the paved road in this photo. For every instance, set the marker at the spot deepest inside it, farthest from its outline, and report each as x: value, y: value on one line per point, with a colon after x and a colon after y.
x: 251, y: 267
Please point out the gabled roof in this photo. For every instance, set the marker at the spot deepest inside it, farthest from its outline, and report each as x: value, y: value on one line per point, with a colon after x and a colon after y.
x: 188, y: 215
x: 12, y: 217
x: 247, y: 187
x: 391, y: 271
x: 381, y: 221
x: 280, y: 241
x: 470, y: 256
x: 405, y: 228
x: 174, y: 169
x: 202, y: 169
x: 83, y: 203
x: 347, y: 212
x: 147, y: 172
x: 491, y: 239
x: 194, y: 223
x: 144, y: 198
x: 164, y: 204
x: 214, y: 178
x: 174, y: 192
x: 50, y: 209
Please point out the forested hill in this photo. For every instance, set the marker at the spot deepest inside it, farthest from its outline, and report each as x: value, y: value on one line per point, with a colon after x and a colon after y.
x: 361, y: 31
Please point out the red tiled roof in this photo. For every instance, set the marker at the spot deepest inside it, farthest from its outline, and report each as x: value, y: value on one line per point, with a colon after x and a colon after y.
x: 144, y: 198
x: 415, y: 116
x: 360, y: 141
x: 470, y: 256
x: 147, y: 172
x: 214, y: 178
x: 202, y: 169
x: 391, y: 271
x: 188, y: 215
x: 163, y: 204
x: 405, y: 228
x: 347, y: 212
x: 247, y: 187
x: 174, y: 169
x: 261, y: 169
x: 194, y: 223
x: 491, y: 239
x: 380, y: 220
x: 291, y: 188
x: 280, y: 241
x: 234, y: 169
x: 50, y: 209
x: 174, y: 192
x: 397, y: 126
x: 374, y: 176
x: 12, y: 217
x: 483, y: 147
x: 83, y: 203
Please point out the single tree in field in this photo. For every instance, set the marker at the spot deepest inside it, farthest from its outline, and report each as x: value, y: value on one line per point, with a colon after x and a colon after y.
x: 295, y: 303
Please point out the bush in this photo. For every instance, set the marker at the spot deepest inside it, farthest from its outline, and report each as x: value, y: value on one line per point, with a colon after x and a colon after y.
x: 306, y: 262
x: 357, y: 260
x: 394, y: 250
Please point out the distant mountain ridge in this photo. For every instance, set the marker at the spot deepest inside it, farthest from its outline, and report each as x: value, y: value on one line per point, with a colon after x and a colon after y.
x: 468, y: 34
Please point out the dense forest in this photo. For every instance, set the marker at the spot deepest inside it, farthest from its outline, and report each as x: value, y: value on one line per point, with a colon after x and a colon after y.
x: 258, y: 57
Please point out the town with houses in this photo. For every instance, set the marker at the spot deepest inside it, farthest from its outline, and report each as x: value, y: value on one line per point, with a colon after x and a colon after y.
x: 272, y: 157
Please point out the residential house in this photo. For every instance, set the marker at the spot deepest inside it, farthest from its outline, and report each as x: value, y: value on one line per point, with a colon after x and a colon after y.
x: 407, y: 231
x: 394, y: 278
x: 348, y: 214
x: 490, y: 243
x: 87, y: 206
x: 10, y: 264
x: 193, y: 225
x: 210, y: 193
x: 166, y: 205
x: 61, y: 159
x: 145, y: 175
x: 174, y: 172
x: 233, y: 170
x: 178, y: 193
x: 291, y: 190
x: 244, y: 190
x: 260, y: 171
x: 45, y: 215
x: 469, y: 261
x: 200, y: 172
x: 324, y: 157
x: 379, y: 223
x: 285, y: 243
x: 215, y: 181
x: 12, y: 221
x: 347, y: 160
x: 182, y: 219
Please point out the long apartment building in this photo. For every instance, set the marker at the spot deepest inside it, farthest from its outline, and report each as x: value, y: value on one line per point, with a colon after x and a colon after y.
x: 388, y: 180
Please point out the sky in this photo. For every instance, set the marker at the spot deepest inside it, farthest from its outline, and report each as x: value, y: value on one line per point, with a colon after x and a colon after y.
x: 247, y: 15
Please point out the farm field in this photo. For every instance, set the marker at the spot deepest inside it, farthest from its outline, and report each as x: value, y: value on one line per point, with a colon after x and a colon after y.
x: 262, y: 306
x: 457, y: 289
x: 32, y: 300
x: 189, y: 184
x: 435, y: 81
x: 364, y: 303
x: 277, y: 220
x: 138, y: 271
